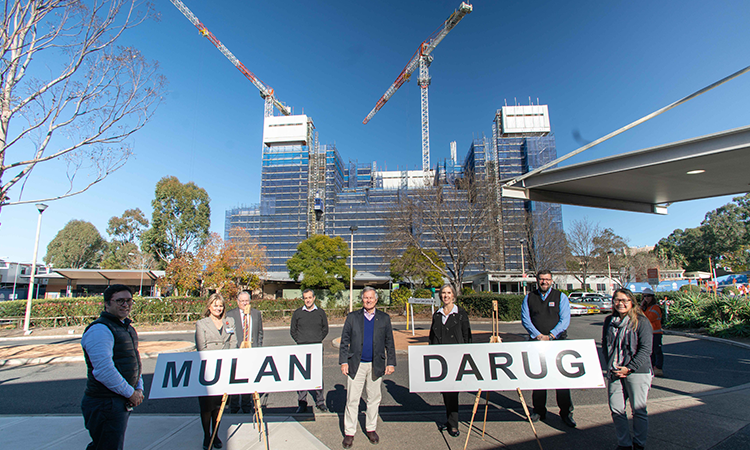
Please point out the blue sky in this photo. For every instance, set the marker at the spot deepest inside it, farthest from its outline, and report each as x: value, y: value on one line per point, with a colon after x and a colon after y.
x: 598, y: 65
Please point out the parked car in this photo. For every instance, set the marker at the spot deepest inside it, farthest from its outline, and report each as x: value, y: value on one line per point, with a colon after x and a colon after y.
x: 580, y: 309
x: 576, y: 296
x: 604, y: 303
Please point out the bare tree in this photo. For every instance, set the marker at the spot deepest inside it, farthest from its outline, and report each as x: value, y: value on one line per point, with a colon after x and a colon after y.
x: 583, y: 248
x: 68, y: 94
x: 453, y: 222
x: 547, y: 244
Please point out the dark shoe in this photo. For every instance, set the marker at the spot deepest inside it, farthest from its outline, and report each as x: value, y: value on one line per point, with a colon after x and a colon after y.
x: 455, y: 432
x: 347, y: 442
x: 442, y: 426
x: 217, y: 443
x: 322, y: 407
x: 568, y: 420
x: 536, y: 417
x: 302, y: 408
x: 234, y: 410
x: 638, y: 446
x: 373, y: 437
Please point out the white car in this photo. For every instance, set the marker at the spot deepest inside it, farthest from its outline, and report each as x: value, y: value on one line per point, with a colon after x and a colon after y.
x: 604, y: 303
x: 581, y: 309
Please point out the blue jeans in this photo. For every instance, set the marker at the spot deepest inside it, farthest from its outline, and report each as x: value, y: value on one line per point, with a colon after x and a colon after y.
x: 106, y: 419
x: 635, y: 388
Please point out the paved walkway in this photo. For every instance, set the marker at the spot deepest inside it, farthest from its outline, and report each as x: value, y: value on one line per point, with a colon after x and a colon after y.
x: 717, y: 420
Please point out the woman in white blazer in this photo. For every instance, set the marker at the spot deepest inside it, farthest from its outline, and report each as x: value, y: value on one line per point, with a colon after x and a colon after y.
x: 214, y: 332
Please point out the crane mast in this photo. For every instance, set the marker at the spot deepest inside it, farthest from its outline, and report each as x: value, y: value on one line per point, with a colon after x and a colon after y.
x: 422, y: 59
x: 266, y: 92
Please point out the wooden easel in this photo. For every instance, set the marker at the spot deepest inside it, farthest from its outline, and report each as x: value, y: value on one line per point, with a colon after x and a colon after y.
x: 218, y: 420
x: 495, y: 338
x: 247, y: 342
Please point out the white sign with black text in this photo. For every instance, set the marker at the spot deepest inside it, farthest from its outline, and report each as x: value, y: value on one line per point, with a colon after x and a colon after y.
x: 504, y: 366
x: 238, y: 371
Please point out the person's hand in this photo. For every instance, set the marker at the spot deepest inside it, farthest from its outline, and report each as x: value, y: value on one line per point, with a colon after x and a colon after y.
x: 136, y: 399
x: 543, y: 337
x: 389, y: 370
x: 621, y: 372
x: 345, y: 369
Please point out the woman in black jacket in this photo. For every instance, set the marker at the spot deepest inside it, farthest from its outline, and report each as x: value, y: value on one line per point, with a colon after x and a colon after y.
x: 626, y: 344
x: 450, y: 325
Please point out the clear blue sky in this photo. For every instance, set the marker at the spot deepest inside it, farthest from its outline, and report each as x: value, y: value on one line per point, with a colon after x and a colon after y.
x: 598, y: 65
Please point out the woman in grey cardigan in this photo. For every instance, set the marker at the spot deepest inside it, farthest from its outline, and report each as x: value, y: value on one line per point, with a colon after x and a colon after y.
x: 214, y: 332
x: 626, y: 344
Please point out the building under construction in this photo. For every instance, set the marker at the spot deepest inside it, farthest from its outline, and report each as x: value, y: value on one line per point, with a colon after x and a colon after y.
x: 307, y: 189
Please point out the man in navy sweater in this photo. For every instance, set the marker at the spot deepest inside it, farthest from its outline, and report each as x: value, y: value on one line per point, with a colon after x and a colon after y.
x: 309, y: 326
x: 367, y: 352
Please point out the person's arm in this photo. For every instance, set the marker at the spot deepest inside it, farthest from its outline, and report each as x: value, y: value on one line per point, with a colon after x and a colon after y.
x: 324, y: 319
x: 260, y: 328
x: 346, y: 336
x: 526, y: 319
x: 564, y: 322
x: 98, y: 343
x: 466, y: 327
x: 200, y: 336
x: 232, y: 336
x: 390, y: 347
x: 294, y: 326
x: 605, y: 328
x: 432, y: 338
x: 642, y: 355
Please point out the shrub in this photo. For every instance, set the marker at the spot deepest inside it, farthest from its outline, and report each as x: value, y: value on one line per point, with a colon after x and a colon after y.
x: 690, y: 288
x: 400, y: 296
x: 422, y: 293
x: 730, y: 290
x: 466, y: 290
x: 508, y: 305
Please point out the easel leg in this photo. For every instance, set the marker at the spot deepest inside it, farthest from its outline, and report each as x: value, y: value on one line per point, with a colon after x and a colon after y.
x: 261, y: 425
x: 486, y: 406
x: 218, y: 420
x: 473, y: 413
x: 528, y: 417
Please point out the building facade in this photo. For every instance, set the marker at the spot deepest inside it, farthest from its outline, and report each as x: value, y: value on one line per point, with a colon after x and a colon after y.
x: 307, y: 188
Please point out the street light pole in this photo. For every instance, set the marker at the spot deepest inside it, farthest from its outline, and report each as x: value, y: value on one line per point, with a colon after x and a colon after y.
x: 41, y: 207
x: 352, y: 228
x: 609, y: 269
x: 523, y: 268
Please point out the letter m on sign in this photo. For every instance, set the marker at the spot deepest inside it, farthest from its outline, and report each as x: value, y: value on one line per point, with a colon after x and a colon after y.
x: 176, y: 377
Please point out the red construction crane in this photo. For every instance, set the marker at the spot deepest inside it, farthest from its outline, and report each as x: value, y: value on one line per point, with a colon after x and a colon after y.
x: 422, y: 58
x: 265, y: 91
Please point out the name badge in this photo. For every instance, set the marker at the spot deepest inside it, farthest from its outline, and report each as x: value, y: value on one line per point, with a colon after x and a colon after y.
x: 551, y: 304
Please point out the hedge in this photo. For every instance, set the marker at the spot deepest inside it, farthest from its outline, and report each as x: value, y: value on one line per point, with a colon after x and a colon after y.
x: 508, y: 305
x: 82, y: 310
x: 722, y: 316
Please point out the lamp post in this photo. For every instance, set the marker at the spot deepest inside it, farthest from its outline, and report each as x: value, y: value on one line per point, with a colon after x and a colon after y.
x: 523, y: 268
x: 352, y: 228
x: 609, y: 269
x: 41, y: 207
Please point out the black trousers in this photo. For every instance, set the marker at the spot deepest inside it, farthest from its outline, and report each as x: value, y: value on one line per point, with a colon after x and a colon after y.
x: 451, y: 408
x: 539, y: 399
x: 106, y: 419
x: 244, y: 401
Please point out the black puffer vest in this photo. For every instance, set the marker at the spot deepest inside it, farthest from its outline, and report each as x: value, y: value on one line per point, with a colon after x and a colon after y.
x: 124, y: 355
x: 545, y: 314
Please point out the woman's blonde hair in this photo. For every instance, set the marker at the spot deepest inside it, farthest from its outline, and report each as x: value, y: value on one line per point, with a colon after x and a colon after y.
x: 634, y: 311
x: 211, y: 299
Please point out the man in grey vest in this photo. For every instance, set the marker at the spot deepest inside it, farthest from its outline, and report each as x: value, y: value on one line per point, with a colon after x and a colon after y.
x: 545, y: 314
x: 114, y: 384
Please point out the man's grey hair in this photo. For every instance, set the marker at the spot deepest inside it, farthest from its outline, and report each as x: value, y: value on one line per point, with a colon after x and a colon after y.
x: 370, y: 288
x: 249, y: 295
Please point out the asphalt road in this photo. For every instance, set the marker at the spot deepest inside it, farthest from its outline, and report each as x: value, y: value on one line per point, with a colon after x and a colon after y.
x: 691, y: 365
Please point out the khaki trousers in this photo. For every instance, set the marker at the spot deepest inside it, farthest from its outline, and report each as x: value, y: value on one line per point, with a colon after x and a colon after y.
x: 363, y: 380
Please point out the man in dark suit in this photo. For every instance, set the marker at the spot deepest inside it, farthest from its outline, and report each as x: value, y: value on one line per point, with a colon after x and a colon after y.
x: 254, y: 324
x: 545, y: 313
x: 367, y: 352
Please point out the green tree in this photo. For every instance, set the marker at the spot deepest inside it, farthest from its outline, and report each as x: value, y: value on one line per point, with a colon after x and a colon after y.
x: 416, y: 269
x: 77, y: 246
x: 117, y: 254
x: 180, y: 221
x: 321, y: 261
x: 128, y: 227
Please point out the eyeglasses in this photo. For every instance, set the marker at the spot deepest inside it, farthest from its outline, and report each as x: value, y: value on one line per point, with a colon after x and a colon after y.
x: 620, y: 300
x: 122, y: 301
x: 545, y: 279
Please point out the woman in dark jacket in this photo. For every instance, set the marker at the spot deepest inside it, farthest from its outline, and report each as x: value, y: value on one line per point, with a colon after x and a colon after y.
x: 626, y: 344
x: 450, y: 325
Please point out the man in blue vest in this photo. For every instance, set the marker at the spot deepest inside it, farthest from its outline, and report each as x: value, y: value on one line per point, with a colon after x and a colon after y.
x: 114, y: 385
x: 545, y: 314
